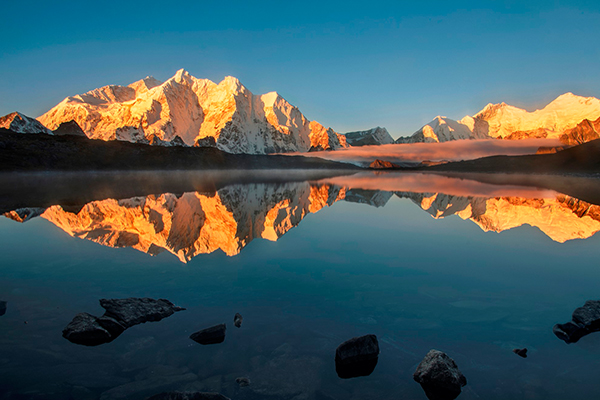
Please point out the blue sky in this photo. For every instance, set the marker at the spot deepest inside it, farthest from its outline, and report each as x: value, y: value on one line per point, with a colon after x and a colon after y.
x: 349, y: 65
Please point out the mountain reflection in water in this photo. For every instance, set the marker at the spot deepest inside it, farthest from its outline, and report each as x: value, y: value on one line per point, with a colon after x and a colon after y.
x: 230, y: 218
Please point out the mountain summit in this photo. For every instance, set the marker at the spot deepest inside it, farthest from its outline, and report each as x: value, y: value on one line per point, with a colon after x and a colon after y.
x: 503, y: 121
x: 196, y: 112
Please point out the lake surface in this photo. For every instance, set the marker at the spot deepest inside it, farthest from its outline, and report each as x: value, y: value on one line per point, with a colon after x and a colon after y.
x: 474, y: 268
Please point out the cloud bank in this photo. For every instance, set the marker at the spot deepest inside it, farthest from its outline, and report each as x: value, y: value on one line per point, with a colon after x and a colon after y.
x: 447, y: 151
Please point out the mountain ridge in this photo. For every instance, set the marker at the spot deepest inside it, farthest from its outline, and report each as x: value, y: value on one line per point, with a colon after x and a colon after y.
x: 226, y: 115
x: 504, y: 121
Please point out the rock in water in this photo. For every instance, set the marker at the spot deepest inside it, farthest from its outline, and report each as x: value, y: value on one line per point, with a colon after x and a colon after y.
x: 89, y: 330
x: 357, y: 357
x: 520, y: 352
x: 188, y: 396
x: 242, y: 381
x: 86, y: 329
x: 585, y: 320
x: 133, y: 311
x: 213, y: 335
x: 2, y: 308
x: 237, y: 320
x: 439, y: 376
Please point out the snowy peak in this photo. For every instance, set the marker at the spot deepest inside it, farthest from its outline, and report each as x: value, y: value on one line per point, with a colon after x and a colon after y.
x: 441, y: 129
x: 20, y: 123
x: 143, y: 85
x: 374, y: 136
x: 503, y: 121
x: 198, y: 111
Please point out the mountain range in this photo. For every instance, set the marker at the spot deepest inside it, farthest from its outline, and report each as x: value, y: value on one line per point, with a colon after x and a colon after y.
x: 503, y: 121
x: 185, y: 110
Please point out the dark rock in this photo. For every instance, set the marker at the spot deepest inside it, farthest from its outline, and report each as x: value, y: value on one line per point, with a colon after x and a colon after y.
x: 357, y: 357
x: 89, y: 330
x: 2, y: 308
x: 188, y: 396
x: 439, y: 376
x: 86, y: 330
x: 133, y: 311
x: 242, y: 381
x: 237, y: 320
x: 213, y: 335
x: 585, y: 320
x: 520, y: 352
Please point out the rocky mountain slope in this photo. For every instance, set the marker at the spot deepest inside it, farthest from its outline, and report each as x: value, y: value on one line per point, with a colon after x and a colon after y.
x: 375, y: 136
x: 185, y: 109
x: 502, y: 121
x: 20, y: 123
x: 584, y: 132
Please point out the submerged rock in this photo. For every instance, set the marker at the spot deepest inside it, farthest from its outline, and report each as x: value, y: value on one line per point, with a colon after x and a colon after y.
x: 2, y: 308
x: 89, y: 330
x: 357, y: 357
x: 188, y: 396
x: 237, y: 320
x: 585, y: 320
x: 213, y: 335
x: 439, y: 376
x: 242, y: 381
x: 520, y: 352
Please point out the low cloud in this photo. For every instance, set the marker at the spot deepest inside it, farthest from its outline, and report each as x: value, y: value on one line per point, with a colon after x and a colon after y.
x: 450, y: 151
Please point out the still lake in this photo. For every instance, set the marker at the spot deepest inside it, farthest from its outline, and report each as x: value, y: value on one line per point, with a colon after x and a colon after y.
x: 468, y: 267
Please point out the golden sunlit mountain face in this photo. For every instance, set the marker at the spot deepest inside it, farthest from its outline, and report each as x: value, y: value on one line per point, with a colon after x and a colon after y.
x: 229, y: 219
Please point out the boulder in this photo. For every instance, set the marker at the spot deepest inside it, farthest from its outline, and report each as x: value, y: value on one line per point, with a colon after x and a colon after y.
x: 133, y: 311
x: 237, y: 320
x: 242, y: 381
x: 585, y: 320
x: 89, y: 330
x: 85, y: 329
x: 439, y: 376
x: 520, y: 352
x: 357, y: 357
x: 2, y: 308
x: 213, y: 335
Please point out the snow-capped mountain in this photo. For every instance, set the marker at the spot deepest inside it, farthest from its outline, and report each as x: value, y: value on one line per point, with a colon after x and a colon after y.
x: 20, y: 123
x: 502, y: 121
x: 374, y: 136
x: 193, y: 111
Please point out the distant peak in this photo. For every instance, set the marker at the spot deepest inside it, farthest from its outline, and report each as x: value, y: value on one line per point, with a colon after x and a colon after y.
x: 181, y: 76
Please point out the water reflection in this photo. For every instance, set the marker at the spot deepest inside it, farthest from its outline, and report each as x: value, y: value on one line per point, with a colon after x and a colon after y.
x: 230, y: 218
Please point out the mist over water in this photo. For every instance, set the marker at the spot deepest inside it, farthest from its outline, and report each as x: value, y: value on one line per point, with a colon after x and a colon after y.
x: 473, y: 266
x: 446, y: 151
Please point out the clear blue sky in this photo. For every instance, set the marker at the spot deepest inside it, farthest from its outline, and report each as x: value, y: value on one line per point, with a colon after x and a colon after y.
x: 349, y: 65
